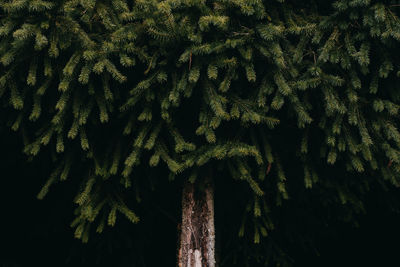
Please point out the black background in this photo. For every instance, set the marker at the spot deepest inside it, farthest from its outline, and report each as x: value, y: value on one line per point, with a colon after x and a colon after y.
x: 37, y: 232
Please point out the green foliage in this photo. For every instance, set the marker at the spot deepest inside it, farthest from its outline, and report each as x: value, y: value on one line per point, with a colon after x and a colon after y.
x: 115, y: 89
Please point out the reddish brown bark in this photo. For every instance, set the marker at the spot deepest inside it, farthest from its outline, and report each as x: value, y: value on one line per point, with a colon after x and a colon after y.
x: 197, y: 241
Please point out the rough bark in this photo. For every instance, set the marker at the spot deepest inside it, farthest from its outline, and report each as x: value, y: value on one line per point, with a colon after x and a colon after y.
x: 197, y: 241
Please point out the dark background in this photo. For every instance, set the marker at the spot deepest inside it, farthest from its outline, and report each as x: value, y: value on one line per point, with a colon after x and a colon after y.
x: 37, y: 232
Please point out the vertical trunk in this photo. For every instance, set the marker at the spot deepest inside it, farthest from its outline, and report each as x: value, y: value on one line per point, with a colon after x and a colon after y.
x: 197, y: 241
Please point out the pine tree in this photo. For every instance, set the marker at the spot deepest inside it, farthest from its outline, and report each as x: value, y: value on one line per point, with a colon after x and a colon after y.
x: 289, y: 98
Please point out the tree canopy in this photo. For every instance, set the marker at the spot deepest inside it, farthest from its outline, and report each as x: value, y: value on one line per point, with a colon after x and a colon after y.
x: 298, y: 100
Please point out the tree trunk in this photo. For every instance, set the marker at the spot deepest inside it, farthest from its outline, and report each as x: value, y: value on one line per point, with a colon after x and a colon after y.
x: 197, y: 241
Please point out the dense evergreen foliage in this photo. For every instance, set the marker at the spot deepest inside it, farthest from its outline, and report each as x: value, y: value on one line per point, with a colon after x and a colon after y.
x: 298, y: 100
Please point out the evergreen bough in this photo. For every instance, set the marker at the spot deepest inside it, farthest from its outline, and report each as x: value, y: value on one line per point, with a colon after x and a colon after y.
x: 284, y: 95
